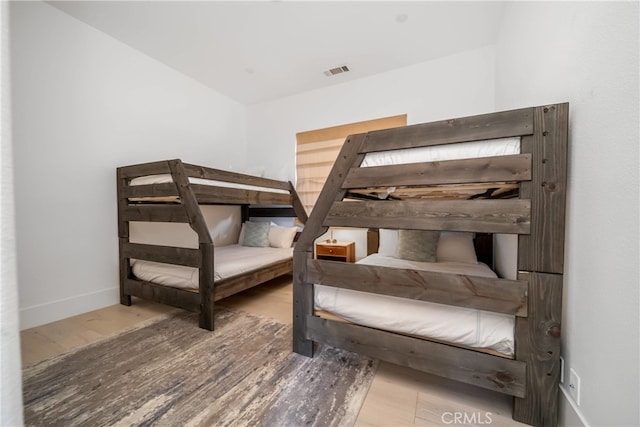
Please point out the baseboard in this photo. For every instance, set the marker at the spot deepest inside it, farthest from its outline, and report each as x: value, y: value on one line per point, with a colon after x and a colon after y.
x: 41, y: 314
x: 569, y: 414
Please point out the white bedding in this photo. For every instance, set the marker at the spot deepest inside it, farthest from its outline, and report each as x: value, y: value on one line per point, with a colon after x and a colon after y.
x: 229, y: 261
x: 469, y: 327
x: 162, y: 179
x: 463, y: 150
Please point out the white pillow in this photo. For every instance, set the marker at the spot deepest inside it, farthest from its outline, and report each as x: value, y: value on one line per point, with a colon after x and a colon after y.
x: 454, y: 246
x: 388, y: 241
x: 281, y: 237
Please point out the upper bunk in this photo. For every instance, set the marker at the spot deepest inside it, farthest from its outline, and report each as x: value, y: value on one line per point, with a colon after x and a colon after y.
x: 502, y: 172
x: 170, y: 191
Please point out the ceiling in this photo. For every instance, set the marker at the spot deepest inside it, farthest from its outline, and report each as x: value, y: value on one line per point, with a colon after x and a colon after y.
x: 259, y: 51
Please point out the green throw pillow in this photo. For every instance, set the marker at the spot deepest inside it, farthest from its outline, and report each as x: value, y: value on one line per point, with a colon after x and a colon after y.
x: 417, y: 245
x: 256, y: 234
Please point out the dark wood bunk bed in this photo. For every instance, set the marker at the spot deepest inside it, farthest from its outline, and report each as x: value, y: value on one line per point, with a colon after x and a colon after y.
x: 522, y: 194
x: 179, y: 200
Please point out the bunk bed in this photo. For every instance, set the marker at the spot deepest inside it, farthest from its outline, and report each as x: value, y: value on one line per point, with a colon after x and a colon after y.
x: 173, y: 191
x: 384, y: 180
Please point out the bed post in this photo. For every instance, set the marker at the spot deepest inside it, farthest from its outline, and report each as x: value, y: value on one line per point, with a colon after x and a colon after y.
x: 332, y: 191
x: 541, y: 261
x: 206, y: 286
x: 123, y: 237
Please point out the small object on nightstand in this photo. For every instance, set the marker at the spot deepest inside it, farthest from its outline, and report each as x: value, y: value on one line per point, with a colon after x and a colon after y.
x: 338, y: 251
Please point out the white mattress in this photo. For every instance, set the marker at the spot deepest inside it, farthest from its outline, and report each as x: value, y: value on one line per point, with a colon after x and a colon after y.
x: 229, y: 261
x: 463, y: 150
x: 162, y: 179
x: 469, y: 327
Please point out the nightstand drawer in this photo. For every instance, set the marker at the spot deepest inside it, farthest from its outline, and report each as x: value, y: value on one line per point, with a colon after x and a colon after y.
x: 331, y: 250
x: 338, y: 251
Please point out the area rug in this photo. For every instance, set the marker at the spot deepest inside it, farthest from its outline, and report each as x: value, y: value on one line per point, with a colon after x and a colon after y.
x: 172, y: 373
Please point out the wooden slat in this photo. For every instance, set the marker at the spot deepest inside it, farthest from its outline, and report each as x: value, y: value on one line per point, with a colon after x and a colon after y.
x: 153, y: 213
x: 492, y: 372
x: 481, y: 293
x: 195, y: 171
x: 298, y: 208
x: 189, y: 202
x: 233, y: 285
x: 121, y: 183
x: 206, y: 289
x: 152, y: 190
x: 474, y: 128
x: 537, y: 343
x: 144, y: 169
x: 236, y: 196
x: 485, y: 216
x: 166, y: 295
x: 302, y: 303
x: 479, y: 170
x: 331, y: 191
x: 125, y: 271
x: 165, y: 254
x: 543, y: 250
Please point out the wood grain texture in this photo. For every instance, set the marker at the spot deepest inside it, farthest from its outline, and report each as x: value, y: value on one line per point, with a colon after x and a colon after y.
x: 189, y: 202
x: 239, y: 283
x: 537, y: 343
x: 167, y: 189
x: 302, y: 303
x: 485, y: 216
x: 195, y: 171
x: 478, y: 170
x: 481, y: 293
x: 143, y: 169
x: 492, y: 372
x: 543, y: 250
x: 207, y: 289
x: 298, y: 208
x: 166, y: 295
x: 209, y: 194
x: 474, y: 128
x: 165, y: 254
x: 155, y: 213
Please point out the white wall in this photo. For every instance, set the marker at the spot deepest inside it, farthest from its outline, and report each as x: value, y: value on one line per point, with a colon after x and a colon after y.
x: 454, y: 86
x: 587, y: 54
x: 84, y: 104
x: 10, y: 374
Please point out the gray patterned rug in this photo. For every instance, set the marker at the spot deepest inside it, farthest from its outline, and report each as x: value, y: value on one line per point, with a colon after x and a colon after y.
x: 172, y: 373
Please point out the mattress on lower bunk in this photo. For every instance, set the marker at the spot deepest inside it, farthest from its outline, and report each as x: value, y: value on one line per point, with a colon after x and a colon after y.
x: 229, y: 261
x: 457, y: 325
x: 457, y: 151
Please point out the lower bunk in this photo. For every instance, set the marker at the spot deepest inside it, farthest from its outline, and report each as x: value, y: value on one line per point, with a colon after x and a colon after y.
x: 236, y: 269
x: 385, y: 309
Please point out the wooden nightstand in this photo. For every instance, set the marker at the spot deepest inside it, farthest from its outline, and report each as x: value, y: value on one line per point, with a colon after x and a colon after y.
x: 339, y: 251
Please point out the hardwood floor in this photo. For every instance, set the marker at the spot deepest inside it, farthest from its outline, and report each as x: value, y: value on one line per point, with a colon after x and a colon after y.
x: 398, y: 396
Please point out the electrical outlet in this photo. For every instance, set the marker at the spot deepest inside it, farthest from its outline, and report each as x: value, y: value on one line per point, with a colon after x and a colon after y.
x: 574, y: 386
x: 561, y: 370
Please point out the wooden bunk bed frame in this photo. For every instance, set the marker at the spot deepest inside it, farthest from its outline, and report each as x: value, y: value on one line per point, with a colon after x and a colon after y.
x: 535, y: 211
x: 179, y: 201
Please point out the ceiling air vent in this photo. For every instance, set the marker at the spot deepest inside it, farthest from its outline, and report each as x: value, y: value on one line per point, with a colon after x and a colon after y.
x: 337, y: 70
